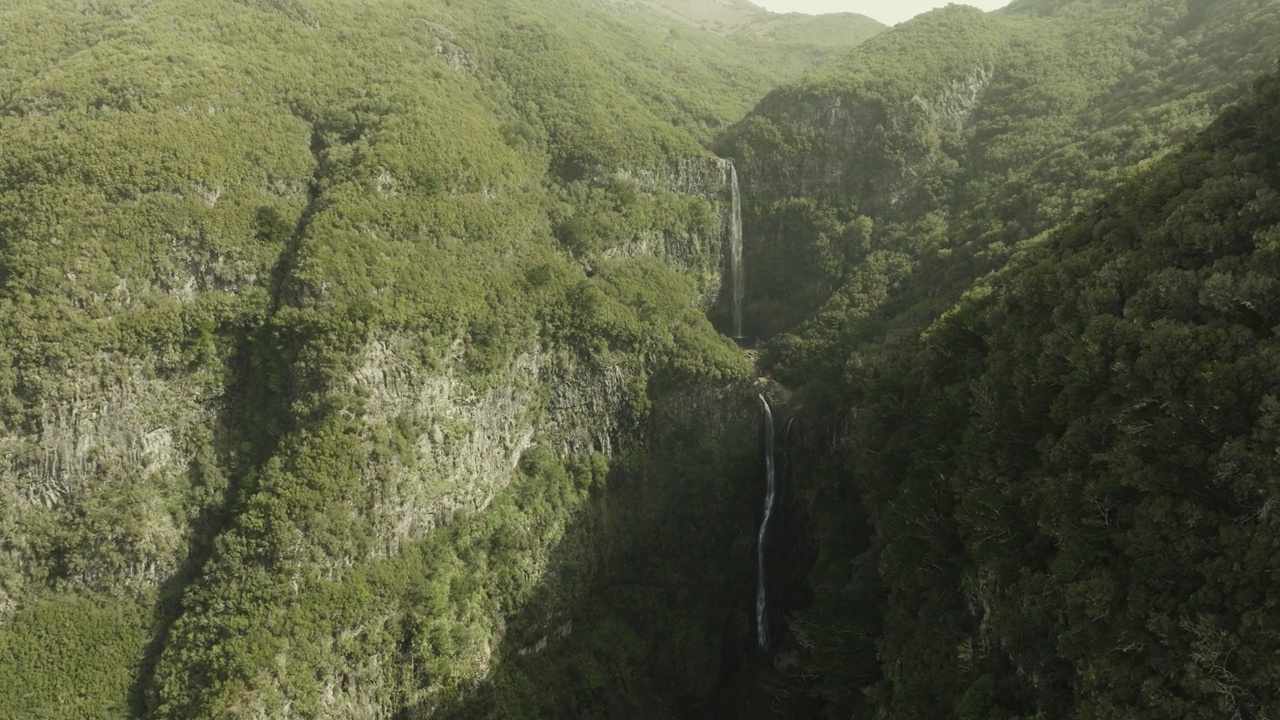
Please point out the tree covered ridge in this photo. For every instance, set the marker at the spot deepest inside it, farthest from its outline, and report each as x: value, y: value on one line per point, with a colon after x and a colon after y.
x: 1069, y: 479
x: 271, y: 275
x: 961, y: 134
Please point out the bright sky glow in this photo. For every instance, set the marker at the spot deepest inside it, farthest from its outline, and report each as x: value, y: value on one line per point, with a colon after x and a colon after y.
x: 889, y: 12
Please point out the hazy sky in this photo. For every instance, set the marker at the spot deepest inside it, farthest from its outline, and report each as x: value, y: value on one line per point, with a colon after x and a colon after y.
x: 889, y: 12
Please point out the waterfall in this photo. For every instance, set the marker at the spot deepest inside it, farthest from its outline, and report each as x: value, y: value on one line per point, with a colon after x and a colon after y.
x: 735, y: 250
x: 762, y: 622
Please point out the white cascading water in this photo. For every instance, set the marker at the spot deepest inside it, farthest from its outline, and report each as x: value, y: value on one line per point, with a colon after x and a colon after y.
x: 735, y: 250
x: 762, y: 623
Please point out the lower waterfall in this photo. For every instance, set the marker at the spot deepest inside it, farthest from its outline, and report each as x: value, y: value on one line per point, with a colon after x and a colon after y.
x: 762, y: 621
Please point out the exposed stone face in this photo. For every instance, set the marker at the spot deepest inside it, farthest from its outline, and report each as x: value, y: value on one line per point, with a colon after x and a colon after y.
x: 113, y: 423
x: 444, y: 45
x: 955, y: 105
x: 849, y: 140
x: 191, y: 270
x: 114, y: 433
x: 702, y: 257
x: 469, y: 441
x: 706, y: 177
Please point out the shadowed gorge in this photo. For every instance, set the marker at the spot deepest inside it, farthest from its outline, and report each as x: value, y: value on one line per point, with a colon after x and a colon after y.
x: 390, y: 361
x: 770, y: 493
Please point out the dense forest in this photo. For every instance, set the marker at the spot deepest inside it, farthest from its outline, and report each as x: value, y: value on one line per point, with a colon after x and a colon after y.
x: 372, y: 360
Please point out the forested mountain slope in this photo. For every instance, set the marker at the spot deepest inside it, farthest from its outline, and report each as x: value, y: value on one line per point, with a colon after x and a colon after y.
x: 960, y: 134
x: 1042, y: 493
x: 322, y: 323
x: 1071, y: 475
x: 356, y: 361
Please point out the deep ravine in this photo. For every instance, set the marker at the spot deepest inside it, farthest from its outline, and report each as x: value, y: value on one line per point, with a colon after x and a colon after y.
x: 762, y: 618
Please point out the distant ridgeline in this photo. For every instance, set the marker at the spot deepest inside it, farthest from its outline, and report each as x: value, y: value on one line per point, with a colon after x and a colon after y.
x: 370, y: 360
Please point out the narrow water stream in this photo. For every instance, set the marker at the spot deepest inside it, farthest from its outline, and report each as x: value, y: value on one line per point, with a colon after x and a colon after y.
x: 762, y: 620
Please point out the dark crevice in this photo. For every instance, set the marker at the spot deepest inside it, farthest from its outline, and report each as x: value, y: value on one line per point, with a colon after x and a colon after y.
x: 249, y: 428
x: 288, y: 261
x: 254, y: 418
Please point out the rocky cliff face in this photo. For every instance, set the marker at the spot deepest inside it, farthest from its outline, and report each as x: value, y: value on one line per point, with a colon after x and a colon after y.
x: 108, y: 470
x: 667, y: 516
x: 112, y: 423
x: 464, y: 442
x: 299, y: 381
x: 854, y: 131
x: 701, y: 251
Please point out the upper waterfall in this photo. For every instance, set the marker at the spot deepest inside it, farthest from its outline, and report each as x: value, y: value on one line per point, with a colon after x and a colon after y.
x: 735, y: 251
